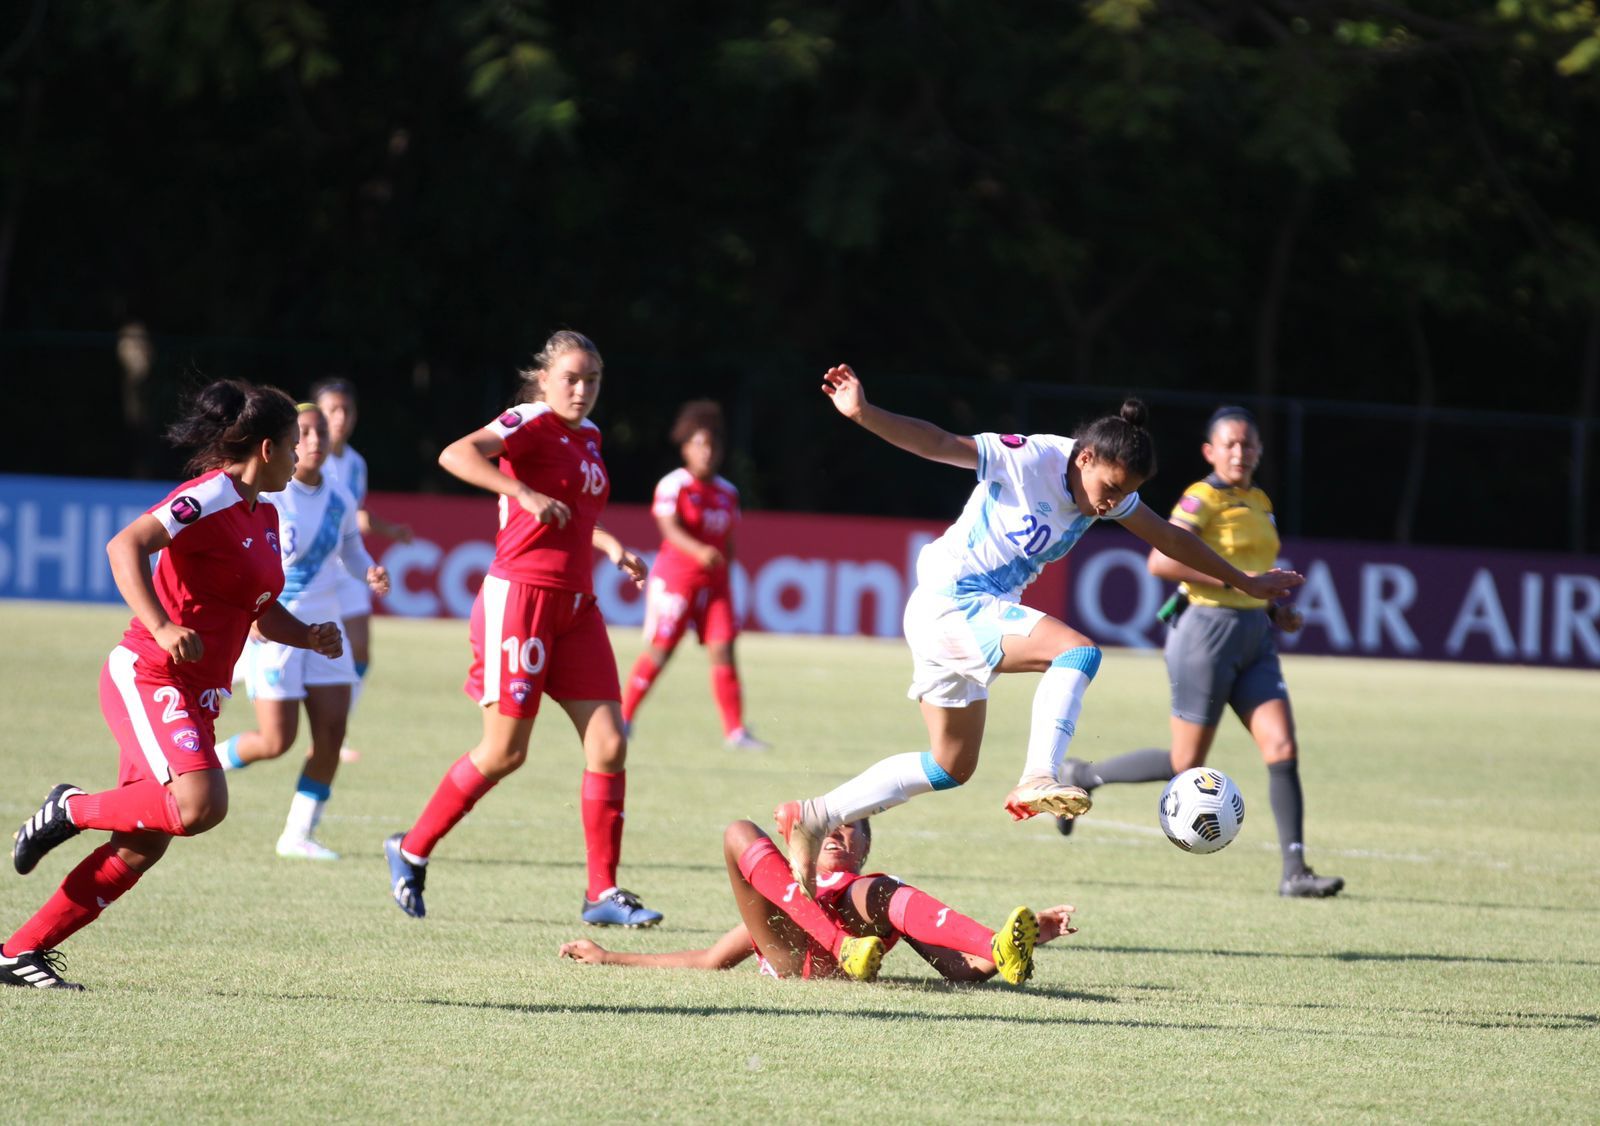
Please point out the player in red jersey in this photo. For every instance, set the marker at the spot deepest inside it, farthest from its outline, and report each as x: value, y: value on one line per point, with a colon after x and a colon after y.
x: 535, y: 627
x: 698, y: 513
x: 854, y: 919
x: 161, y: 688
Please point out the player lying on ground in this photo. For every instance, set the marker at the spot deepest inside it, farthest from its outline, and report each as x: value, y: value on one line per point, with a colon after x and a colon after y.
x: 852, y: 922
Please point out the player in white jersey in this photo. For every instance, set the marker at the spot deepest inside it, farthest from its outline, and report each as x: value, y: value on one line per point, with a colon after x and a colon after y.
x: 1036, y: 496
x: 319, y: 543
x: 336, y: 398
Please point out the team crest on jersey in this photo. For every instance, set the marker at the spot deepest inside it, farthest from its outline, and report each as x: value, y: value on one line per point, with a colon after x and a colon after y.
x: 185, y: 510
x: 511, y: 420
x: 1014, y: 441
x: 594, y: 450
x: 520, y: 690
x: 186, y: 739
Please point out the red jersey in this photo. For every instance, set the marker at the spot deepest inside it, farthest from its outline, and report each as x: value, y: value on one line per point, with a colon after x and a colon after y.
x: 552, y: 458
x: 215, y: 577
x: 707, y: 510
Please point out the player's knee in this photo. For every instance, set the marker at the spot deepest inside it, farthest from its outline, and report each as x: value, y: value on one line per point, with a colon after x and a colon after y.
x: 1279, y: 750
x: 739, y: 836
x: 202, y: 811
x: 948, y: 777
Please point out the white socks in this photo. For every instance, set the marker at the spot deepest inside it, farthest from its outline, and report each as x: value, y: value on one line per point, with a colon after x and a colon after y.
x: 1056, y: 704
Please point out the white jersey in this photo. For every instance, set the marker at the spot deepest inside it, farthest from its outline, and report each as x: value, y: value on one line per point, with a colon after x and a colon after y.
x: 348, y: 470
x: 1019, y: 519
x: 317, y: 531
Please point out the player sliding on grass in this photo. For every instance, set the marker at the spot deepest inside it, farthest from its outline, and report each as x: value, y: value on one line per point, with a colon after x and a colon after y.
x: 850, y: 925
x: 1035, y: 498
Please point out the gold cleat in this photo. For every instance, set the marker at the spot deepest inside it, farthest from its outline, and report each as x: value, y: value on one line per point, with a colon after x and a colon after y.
x: 1034, y: 796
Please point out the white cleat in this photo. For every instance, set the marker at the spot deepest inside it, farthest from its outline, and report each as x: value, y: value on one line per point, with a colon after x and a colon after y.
x: 1034, y: 796
x: 304, y: 848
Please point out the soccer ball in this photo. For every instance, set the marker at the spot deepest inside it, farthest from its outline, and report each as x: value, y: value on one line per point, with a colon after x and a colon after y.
x: 1201, y: 810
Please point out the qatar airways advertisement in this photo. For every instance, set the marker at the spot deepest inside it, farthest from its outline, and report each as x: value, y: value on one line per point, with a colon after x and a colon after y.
x: 850, y: 575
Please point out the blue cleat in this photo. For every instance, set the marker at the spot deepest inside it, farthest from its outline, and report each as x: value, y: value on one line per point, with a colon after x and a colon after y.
x: 618, y: 908
x: 406, y: 878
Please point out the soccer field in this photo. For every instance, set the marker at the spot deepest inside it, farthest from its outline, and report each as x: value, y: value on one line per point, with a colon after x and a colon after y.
x: 1456, y: 979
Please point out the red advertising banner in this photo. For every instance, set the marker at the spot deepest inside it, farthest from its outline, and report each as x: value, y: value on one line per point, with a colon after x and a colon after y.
x: 794, y: 573
x: 851, y: 575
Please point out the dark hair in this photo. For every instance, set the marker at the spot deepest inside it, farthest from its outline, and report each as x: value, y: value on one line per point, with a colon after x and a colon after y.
x: 333, y: 385
x: 1122, y: 439
x: 697, y: 415
x: 1223, y: 414
x: 562, y: 340
x: 225, y: 421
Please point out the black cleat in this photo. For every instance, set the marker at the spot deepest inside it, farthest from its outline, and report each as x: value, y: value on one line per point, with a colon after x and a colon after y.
x: 44, y: 830
x: 406, y: 879
x: 1309, y: 885
x: 1064, y: 825
x: 36, y: 969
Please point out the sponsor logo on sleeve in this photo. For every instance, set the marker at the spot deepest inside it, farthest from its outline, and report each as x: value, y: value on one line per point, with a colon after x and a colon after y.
x: 1191, y: 505
x: 510, y: 420
x: 1013, y: 441
x: 185, y: 510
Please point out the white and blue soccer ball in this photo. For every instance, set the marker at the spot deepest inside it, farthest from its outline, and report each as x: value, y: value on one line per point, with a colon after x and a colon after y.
x: 1201, y: 810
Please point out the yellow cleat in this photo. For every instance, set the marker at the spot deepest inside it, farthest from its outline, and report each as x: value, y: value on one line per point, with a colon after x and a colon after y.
x: 860, y: 958
x: 1013, y: 946
x: 1045, y: 795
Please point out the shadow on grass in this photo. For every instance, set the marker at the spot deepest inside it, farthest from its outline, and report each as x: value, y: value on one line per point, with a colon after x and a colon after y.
x: 1339, y: 956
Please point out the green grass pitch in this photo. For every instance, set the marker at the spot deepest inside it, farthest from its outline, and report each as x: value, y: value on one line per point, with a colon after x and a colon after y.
x: 1456, y: 979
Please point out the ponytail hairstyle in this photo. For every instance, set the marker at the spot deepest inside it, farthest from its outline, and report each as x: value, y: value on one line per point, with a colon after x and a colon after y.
x: 1122, y: 439
x: 226, y: 422
x: 563, y: 340
x: 697, y: 415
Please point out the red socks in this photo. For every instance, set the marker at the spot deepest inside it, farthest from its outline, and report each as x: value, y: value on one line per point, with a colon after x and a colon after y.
x: 459, y: 790
x: 89, y: 889
x: 640, y: 679
x: 725, y: 687
x: 766, y: 870
x: 919, y: 916
x: 145, y: 804
x: 601, y: 802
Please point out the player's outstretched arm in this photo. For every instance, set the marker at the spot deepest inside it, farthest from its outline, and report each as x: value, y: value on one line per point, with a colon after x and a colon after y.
x: 727, y: 952
x: 1183, y: 546
x: 914, y: 435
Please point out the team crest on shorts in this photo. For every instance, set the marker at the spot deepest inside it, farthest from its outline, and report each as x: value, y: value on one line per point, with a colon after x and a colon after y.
x: 1015, y: 441
x: 185, y: 510
x: 511, y: 420
x: 187, y: 739
x: 520, y: 690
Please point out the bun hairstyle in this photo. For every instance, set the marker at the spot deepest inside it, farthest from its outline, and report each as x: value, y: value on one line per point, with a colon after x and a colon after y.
x: 1122, y: 439
x: 226, y: 422
x: 697, y: 415
x: 564, y: 340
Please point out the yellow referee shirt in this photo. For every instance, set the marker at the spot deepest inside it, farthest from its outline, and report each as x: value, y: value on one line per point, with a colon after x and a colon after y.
x: 1235, y: 523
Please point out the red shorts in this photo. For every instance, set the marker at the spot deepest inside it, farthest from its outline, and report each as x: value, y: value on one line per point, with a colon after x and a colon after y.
x: 673, y: 601
x: 163, y: 726
x: 538, y: 640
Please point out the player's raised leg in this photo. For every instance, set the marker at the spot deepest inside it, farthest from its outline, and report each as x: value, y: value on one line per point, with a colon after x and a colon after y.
x: 956, y: 735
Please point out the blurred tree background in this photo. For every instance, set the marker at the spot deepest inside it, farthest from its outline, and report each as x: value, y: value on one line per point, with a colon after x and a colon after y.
x: 1005, y: 216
